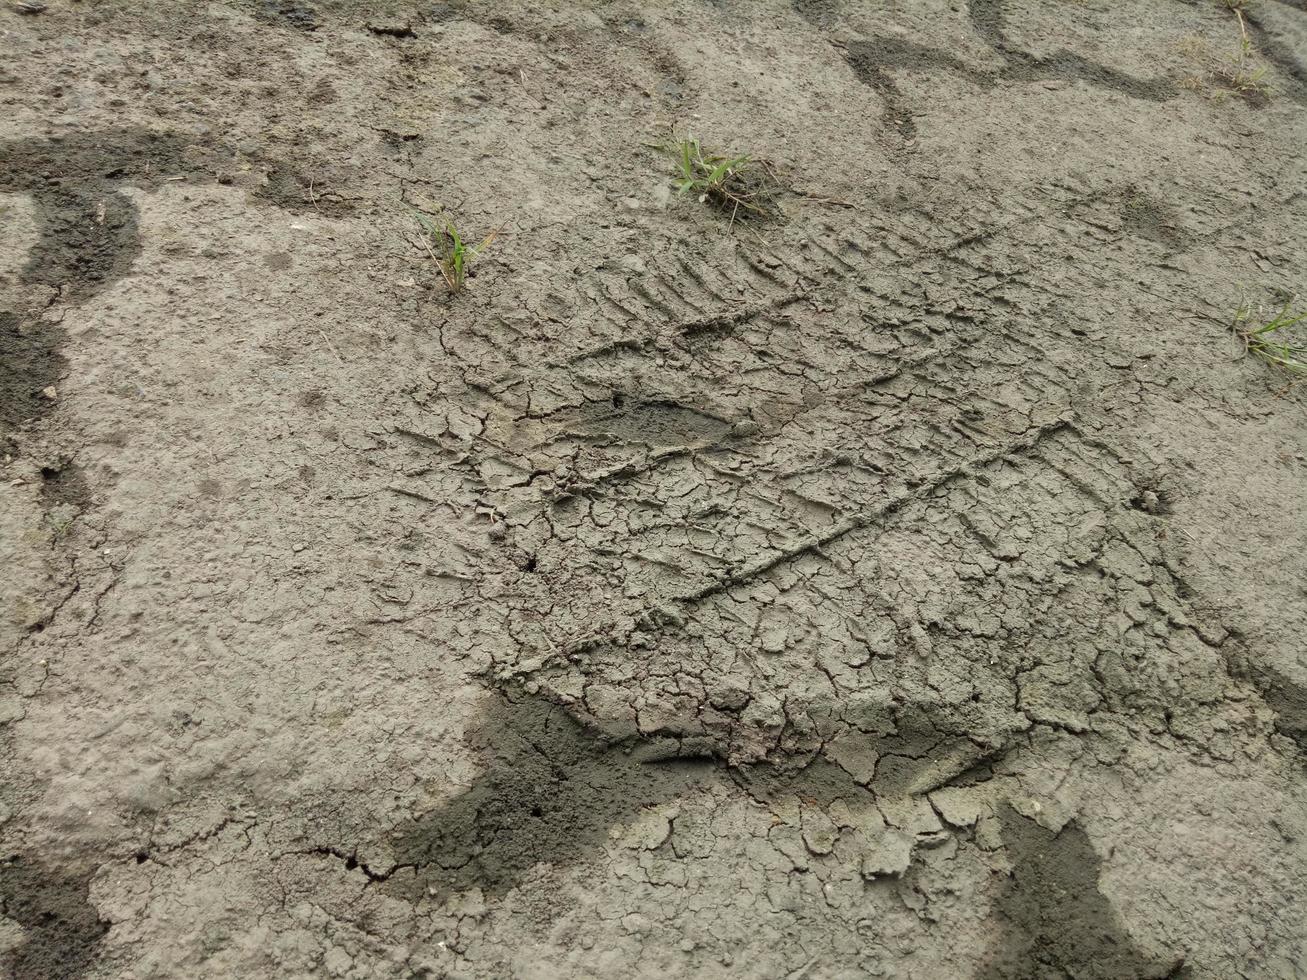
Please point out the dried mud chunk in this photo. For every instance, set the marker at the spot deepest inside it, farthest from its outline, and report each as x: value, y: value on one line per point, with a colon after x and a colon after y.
x: 889, y: 856
x: 392, y: 28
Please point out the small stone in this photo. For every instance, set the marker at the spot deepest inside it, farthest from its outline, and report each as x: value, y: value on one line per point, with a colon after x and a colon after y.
x: 819, y: 833
x: 934, y: 839
x: 649, y: 832
x: 774, y: 639
x: 888, y: 857
x: 636, y: 924
x: 50, y: 392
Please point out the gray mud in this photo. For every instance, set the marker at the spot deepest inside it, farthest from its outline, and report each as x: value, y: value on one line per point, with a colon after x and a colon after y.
x: 911, y: 585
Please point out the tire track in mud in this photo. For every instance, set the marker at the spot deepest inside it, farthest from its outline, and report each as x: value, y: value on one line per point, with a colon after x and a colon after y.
x: 815, y: 630
x: 946, y: 547
x: 507, y: 404
x: 524, y: 809
x: 891, y: 364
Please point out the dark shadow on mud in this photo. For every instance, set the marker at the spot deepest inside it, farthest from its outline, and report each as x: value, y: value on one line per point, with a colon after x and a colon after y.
x: 873, y: 59
x: 29, y: 362
x: 1289, y: 702
x: 88, y: 236
x: 62, y: 929
x: 88, y: 232
x: 549, y: 793
x: 819, y: 13
x: 553, y: 786
x: 989, y: 19
x: 1280, y: 51
x: 1056, y: 922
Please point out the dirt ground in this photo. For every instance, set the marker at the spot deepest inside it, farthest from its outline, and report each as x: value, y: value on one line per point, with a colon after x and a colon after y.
x: 911, y: 585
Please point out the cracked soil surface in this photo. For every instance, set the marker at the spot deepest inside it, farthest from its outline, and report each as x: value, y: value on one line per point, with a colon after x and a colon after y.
x: 912, y: 585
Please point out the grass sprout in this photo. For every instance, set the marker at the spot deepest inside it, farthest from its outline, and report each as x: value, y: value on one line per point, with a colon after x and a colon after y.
x: 1275, y: 342
x: 452, y: 255
x: 1241, y: 75
x: 60, y: 526
x: 740, y: 185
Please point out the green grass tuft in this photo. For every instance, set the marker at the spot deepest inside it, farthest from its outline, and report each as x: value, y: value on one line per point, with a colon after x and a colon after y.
x: 739, y: 185
x: 1275, y: 342
x: 452, y: 255
x: 1243, y: 75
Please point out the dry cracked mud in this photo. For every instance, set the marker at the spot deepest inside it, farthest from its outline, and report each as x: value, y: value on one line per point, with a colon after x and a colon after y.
x: 912, y: 585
